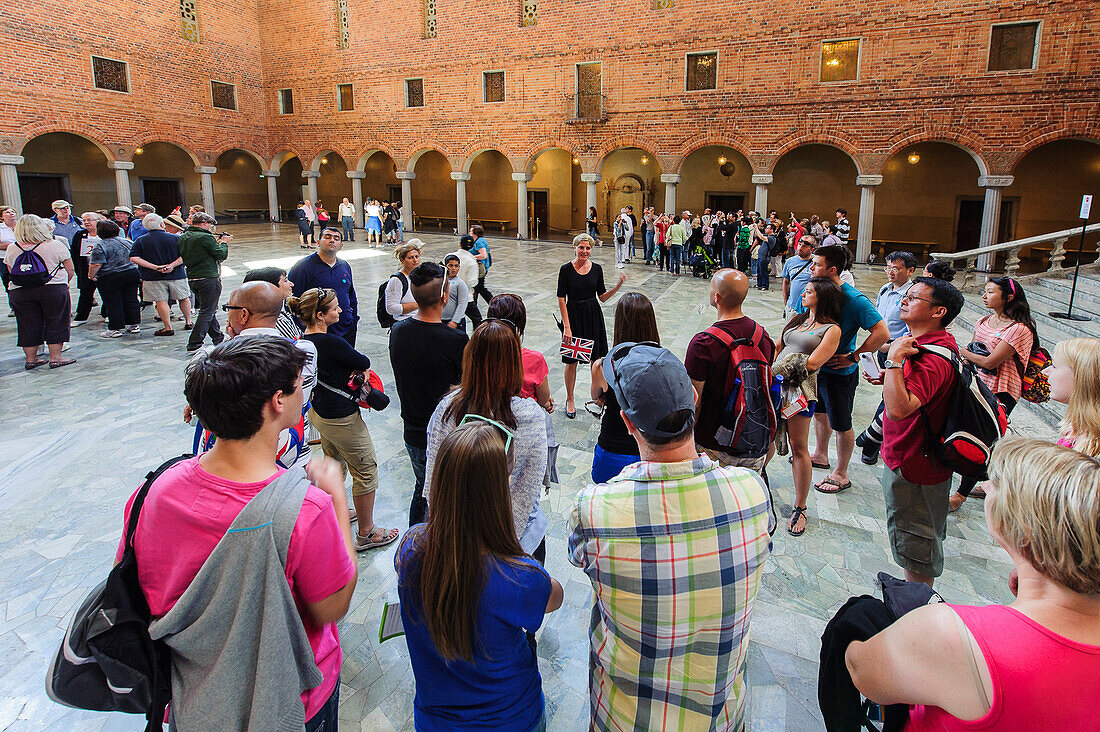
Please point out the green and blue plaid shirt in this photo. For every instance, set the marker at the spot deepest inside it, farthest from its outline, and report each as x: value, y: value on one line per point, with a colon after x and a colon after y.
x: 674, y: 552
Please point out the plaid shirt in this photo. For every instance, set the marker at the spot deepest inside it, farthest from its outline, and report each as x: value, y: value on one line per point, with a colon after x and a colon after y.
x: 674, y: 552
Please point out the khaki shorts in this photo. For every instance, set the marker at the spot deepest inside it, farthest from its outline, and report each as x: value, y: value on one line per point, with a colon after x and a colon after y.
x: 163, y: 290
x: 916, y: 520
x: 729, y: 461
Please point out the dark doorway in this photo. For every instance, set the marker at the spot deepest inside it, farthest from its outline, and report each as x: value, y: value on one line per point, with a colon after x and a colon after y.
x: 164, y: 194
x: 394, y: 192
x: 725, y: 202
x: 968, y: 232
x: 37, y: 192
x: 538, y: 213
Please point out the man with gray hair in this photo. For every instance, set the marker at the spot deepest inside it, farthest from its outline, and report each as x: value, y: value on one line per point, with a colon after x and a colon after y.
x: 203, y: 254
x: 137, y: 227
x: 163, y: 278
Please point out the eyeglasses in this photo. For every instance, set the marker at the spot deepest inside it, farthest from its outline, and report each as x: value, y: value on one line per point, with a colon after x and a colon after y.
x: 227, y: 308
x: 891, y: 268
x: 508, y: 434
x: 911, y: 296
x: 618, y: 352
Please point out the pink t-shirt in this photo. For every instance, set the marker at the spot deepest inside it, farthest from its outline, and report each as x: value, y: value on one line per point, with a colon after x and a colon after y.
x: 185, y: 515
x: 1041, y: 681
x: 1006, y: 377
x: 534, y: 371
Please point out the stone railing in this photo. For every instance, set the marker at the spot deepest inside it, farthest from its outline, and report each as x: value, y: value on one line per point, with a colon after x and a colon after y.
x: 1011, y: 250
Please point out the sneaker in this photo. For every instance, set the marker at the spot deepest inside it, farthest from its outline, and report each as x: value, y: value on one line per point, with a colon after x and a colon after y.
x: 111, y: 334
x: 133, y: 328
x: 164, y: 332
x: 11, y: 313
x: 78, y: 323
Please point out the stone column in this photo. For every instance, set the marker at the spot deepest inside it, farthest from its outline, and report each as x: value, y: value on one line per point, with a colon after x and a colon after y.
x: 9, y: 182
x: 207, y: 187
x: 406, y: 177
x: 122, y: 181
x: 866, y: 223
x: 272, y: 194
x: 357, y: 177
x: 460, y: 201
x: 670, y: 180
x: 762, y: 181
x: 311, y: 177
x: 991, y: 215
x: 590, y: 179
x: 521, y: 203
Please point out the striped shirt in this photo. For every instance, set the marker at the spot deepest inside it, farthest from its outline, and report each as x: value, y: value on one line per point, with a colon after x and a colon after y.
x: 674, y: 552
x: 843, y: 230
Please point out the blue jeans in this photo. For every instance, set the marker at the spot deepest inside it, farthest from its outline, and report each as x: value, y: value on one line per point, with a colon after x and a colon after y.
x: 675, y: 253
x: 630, y: 244
x: 418, y: 510
x: 347, y: 223
x: 649, y: 245
x: 762, y: 272
x: 606, y: 465
x: 729, y: 259
x: 325, y: 720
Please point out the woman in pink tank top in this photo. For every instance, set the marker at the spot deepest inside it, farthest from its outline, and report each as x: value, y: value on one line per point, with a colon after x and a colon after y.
x: 1034, y: 664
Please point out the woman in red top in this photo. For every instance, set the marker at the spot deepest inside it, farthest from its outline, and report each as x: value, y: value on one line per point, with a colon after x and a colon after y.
x: 660, y: 228
x: 1034, y: 664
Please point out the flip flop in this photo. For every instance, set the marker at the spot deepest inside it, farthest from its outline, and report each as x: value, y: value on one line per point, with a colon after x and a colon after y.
x: 796, y: 513
x: 820, y: 466
x: 29, y: 365
x: 832, y: 481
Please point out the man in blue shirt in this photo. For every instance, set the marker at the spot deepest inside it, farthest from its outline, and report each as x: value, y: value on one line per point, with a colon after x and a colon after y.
x: 796, y: 273
x: 64, y: 225
x: 837, y: 380
x: 899, y: 278
x: 137, y: 228
x: 324, y: 269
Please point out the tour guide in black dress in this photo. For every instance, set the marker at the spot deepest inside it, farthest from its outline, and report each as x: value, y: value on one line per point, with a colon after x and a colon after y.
x: 580, y: 292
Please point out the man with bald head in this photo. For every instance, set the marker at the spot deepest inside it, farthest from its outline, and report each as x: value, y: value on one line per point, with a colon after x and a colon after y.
x: 708, y: 363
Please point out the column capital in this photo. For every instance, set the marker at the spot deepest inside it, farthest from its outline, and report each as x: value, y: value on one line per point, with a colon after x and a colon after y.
x: 206, y: 169
x: 670, y: 178
x: 995, y: 181
x: 868, y: 180
x: 311, y: 174
x: 13, y: 160
x: 120, y: 165
x: 272, y: 173
x: 590, y: 177
x: 521, y: 177
x: 460, y: 176
x: 360, y: 174
x: 405, y: 175
x: 762, y: 179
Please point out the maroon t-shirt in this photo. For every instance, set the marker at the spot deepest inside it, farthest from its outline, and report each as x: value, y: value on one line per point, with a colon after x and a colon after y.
x: 708, y: 360
x: 931, y: 379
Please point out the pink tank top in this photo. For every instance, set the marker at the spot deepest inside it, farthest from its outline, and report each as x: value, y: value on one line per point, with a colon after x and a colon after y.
x: 1041, y: 681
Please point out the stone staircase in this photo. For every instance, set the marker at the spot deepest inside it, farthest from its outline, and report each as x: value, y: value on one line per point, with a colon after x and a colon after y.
x: 1046, y: 295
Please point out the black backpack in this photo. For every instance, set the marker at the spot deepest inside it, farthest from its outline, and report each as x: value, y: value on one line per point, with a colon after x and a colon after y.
x: 748, y: 420
x: 384, y: 318
x: 107, y: 661
x: 975, y: 421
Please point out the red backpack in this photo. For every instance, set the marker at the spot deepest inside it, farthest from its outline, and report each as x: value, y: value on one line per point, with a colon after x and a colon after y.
x: 747, y: 424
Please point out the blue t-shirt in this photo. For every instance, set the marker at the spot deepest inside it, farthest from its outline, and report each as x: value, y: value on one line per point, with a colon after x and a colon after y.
x: 137, y: 230
x: 311, y: 271
x: 857, y: 312
x: 478, y: 246
x: 502, y: 688
x: 798, y: 283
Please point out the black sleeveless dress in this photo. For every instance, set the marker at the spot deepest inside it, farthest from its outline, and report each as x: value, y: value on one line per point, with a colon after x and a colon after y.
x: 585, y: 313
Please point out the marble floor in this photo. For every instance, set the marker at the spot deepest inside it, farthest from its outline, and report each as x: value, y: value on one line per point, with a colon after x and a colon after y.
x: 74, y: 443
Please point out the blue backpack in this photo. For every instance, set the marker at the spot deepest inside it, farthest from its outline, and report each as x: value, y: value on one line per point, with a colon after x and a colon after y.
x: 29, y: 269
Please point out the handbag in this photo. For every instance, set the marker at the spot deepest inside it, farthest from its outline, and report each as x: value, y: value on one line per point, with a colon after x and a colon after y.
x: 364, y: 388
x: 1033, y: 377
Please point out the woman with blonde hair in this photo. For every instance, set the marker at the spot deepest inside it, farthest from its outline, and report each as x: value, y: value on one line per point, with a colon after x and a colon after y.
x: 470, y: 594
x: 1030, y: 665
x: 41, y: 303
x: 1074, y: 376
x: 335, y: 414
x: 400, y: 303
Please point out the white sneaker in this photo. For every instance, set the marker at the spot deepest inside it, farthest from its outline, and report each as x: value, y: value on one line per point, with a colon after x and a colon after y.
x: 619, y: 265
x: 78, y: 323
x: 133, y: 328
x: 111, y: 334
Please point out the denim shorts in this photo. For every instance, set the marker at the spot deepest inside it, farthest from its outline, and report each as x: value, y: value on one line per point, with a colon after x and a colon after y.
x: 836, y: 395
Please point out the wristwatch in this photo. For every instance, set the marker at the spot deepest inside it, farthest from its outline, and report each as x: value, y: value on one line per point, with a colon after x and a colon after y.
x: 853, y: 357
x: 888, y: 364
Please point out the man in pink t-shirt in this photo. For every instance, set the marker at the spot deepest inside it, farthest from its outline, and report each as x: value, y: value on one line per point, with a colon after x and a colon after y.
x: 246, y: 391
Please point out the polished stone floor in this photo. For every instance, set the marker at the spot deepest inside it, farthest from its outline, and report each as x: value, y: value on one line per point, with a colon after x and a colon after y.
x: 74, y: 443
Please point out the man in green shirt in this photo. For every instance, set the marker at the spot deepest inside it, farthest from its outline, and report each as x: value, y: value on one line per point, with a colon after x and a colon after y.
x: 202, y: 255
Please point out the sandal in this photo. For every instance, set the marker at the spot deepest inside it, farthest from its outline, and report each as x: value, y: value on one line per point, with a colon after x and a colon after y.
x: 820, y: 466
x: 797, y: 513
x: 34, y: 364
x: 62, y: 362
x: 819, y: 487
x: 377, y: 537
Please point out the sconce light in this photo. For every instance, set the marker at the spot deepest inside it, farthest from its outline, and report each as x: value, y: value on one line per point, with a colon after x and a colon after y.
x: 645, y: 160
x: 324, y: 161
x: 913, y: 158
x: 138, y: 151
x: 721, y: 159
x: 576, y: 162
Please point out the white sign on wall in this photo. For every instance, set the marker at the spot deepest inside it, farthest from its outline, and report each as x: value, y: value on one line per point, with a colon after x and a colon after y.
x: 1086, y: 206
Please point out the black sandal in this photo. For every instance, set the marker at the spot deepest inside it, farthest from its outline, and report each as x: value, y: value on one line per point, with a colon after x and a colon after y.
x: 797, y: 513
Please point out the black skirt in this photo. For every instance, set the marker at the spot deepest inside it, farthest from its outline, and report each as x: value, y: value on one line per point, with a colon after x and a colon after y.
x: 586, y: 321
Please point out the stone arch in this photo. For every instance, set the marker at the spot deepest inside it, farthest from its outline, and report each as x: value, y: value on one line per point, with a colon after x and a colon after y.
x: 428, y: 147
x: 1053, y: 136
x: 65, y: 165
x: 964, y: 141
x: 190, y: 153
x: 315, y: 161
x: 626, y: 141
x: 361, y: 163
x: 239, y: 185
x: 845, y: 145
x: 279, y: 159
x: 78, y: 130
x: 254, y: 155
x: 542, y: 146
x: 478, y: 149
x: 709, y: 140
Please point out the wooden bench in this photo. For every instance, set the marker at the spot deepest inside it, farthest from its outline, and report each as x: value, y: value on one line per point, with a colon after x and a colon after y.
x: 239, y: 213
x: 439, y: 220
x: 485, y: 222
x: 882, y: 247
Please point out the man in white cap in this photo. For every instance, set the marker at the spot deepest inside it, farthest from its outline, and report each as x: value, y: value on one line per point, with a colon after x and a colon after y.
x: 64, y: 225
x: 122, y: 215
x: 137, y: 228
x: 701, y: 531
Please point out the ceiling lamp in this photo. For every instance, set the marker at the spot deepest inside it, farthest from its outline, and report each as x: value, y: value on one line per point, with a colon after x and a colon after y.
x: 913, y: 158
x: 721, y: 159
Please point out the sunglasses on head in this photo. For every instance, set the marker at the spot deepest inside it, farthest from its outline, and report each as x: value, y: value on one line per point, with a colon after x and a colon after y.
x: 507, y: 433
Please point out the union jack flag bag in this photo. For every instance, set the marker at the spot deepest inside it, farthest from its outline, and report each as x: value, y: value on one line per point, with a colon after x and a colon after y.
x: 577, y: 348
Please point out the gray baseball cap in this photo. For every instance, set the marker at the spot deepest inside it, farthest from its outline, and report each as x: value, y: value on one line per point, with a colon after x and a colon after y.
x: 650, y: 384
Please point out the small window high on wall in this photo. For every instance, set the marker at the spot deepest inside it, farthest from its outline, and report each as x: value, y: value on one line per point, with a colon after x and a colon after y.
x: 1013, y: 46
x: 702, y: 71
x: 223, y: 96
x: 493, y: 83
x: 345, y: 98
x: 840, y: 60
x: 414, y: 92
x: 286, y: 101
x: 110, y: 74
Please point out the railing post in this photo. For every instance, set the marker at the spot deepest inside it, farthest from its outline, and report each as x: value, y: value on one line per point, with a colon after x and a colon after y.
x: 1012, y: 262
x: 1058, y: 254
x: 970, y: 272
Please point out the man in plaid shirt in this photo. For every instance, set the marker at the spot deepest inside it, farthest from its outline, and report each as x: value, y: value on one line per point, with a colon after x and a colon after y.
x: 674, y: 546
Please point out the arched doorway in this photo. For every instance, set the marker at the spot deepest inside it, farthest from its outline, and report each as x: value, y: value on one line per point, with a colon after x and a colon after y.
x: 815, y: 179
x: 555, y: 194
x: 290, y: 186
x: 491, y: 192
x: 334, y: 185
x: 64, y: 165
x: 630, y: 176
x: 164, y: 176
x: 930, y: 194
x: 239, y: 186
x: 433, y: 191
x: 381, y: 181
x: 716, y: 177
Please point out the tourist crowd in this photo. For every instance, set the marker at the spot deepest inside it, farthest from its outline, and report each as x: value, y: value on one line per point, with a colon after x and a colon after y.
x: 679, y: 470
